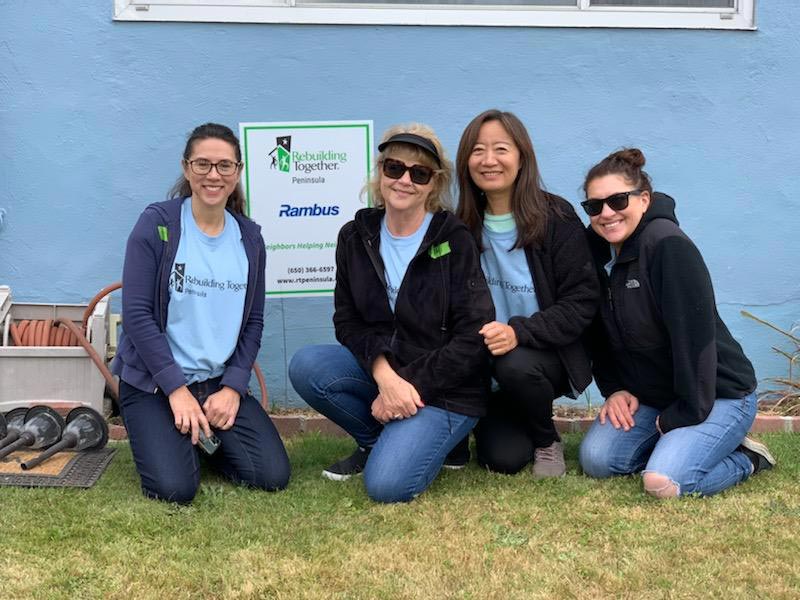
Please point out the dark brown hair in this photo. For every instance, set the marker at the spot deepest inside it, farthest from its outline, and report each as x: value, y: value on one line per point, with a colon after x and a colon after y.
x: 529, y: 203
x: 627, y: 163
x: 181, y: 189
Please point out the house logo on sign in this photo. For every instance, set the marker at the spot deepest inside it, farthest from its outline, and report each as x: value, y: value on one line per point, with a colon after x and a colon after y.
x: 281, y: 155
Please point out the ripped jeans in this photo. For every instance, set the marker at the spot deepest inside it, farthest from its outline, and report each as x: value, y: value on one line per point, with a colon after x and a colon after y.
x: 700, y: 459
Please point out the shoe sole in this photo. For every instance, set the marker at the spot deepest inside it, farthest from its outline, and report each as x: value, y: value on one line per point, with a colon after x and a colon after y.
x: 336, y: 476
x: 759, y: 449
x: 549, y: 475
x: 454, y: 467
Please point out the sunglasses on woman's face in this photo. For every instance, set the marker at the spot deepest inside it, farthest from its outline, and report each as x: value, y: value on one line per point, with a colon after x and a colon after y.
x: 395, y: 169
x: 594, y: 206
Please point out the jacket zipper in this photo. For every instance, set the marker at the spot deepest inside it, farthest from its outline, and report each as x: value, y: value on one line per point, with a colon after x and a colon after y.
x: 165, y: 261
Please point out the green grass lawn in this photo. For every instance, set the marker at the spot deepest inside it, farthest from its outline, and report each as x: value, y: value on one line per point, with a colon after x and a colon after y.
x: 471, y: 535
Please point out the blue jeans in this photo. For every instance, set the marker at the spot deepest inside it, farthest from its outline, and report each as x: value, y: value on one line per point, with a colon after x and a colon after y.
x: 406, y: 454
x: 700, y: 459
x: 251, y: 452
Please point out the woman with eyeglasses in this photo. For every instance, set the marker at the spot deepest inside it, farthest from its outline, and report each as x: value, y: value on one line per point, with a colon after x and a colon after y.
x: 540, y: 273
x: 193, y: 304
x: 409, y: 379
x: 680, y: 393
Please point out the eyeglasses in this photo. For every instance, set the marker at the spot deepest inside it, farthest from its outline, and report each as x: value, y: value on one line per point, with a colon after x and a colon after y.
x: 201, y: 166
x: 395, y: 169
x: 619, y: 201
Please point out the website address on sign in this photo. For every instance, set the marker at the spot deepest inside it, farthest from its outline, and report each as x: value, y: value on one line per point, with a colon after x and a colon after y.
x: 304, y: 280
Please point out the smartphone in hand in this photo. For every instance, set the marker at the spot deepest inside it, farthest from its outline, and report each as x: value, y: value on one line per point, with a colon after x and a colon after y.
x: 208, y: 445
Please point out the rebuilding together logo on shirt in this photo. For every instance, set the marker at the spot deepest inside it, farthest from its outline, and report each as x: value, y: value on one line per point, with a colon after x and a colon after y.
x: 182, y: 283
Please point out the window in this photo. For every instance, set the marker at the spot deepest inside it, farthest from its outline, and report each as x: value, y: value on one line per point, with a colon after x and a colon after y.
x: 688, y: 14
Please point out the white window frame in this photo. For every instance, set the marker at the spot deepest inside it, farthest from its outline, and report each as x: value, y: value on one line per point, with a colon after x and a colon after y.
x: 742, y: 17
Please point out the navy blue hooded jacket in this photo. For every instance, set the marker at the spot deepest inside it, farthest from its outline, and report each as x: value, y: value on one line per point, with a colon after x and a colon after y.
x: 144, y: 359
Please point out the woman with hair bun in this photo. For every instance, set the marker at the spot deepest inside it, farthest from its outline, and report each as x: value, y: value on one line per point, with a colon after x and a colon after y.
x: 541, y: 276
x: 680, y: 393
x: 193, y: 300
x: 409, y: 379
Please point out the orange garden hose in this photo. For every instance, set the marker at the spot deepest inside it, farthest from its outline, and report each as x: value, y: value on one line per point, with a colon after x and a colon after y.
x: 63, y: 332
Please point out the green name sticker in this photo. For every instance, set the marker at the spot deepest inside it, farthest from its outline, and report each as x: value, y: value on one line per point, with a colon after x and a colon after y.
x: 439, y: 250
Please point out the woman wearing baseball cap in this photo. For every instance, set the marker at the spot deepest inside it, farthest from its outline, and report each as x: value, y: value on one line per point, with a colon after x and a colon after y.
x: 410, y: 377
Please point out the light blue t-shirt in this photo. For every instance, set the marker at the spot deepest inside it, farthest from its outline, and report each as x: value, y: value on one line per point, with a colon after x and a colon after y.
x: 397, y: 253
x: 207, y: 287
x: 507, y: 273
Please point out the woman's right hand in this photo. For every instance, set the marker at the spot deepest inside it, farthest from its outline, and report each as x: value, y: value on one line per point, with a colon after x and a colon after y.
x: 189, y: 416
x: 619, y: 408
x: 499, y: 338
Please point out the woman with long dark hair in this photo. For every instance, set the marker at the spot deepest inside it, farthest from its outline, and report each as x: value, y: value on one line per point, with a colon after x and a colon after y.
x: 679, y: 390
x: 193, y: 304
x: 540, y: 274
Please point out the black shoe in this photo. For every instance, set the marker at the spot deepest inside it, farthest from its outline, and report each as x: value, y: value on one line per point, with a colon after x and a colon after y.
x: 347, y: 467
x: 459, y: 456
x: 758, y: 454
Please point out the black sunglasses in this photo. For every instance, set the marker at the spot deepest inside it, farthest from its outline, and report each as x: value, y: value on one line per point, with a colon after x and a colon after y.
x: 594, y: 206
x: 395, y: 169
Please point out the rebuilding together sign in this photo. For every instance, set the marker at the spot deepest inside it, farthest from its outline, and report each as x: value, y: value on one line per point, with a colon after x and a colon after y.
x: 303, y: 182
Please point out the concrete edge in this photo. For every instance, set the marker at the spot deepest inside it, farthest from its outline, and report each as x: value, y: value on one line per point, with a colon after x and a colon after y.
x: 291, y: 425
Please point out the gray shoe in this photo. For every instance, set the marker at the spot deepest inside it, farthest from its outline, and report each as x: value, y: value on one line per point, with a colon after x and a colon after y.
x: 758, y: 454
x: 549, y: 461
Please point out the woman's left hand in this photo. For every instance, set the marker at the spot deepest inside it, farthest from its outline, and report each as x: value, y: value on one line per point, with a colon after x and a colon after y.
x: 499, y: 338
x: 221, y: 408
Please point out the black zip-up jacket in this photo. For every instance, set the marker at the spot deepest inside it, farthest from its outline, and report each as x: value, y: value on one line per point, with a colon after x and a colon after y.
x: 658, y: 333
x: 567, y: 292
x: 432, y: 338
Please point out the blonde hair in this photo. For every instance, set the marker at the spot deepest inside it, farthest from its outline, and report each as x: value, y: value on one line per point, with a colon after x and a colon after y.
x: 440, y: 196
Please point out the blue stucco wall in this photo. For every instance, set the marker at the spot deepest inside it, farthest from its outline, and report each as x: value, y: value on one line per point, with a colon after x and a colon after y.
x: 93, y: 117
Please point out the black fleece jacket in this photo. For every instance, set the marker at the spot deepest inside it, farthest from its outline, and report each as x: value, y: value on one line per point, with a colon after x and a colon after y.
x: 431, y: 339
x: 567, y: 292
x: 658, y: 334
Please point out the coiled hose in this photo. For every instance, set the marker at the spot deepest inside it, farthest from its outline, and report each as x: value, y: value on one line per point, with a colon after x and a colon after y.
x: 63, y: 332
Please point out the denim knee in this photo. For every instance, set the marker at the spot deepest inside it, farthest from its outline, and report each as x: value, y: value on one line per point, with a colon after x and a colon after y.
x: 267, y: 481
x: 660, y: 486
x: 302, y: 367
x: 273, y: 478
x: 595, y: 460
x: 313, y: 369
x: 388, y: 490
x: 181, y: 490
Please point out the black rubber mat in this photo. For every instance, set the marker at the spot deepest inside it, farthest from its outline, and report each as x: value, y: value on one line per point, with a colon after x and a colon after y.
x: 82, y: 470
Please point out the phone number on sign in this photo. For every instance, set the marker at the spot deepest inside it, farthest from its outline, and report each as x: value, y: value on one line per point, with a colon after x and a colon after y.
x: 295, y: 270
